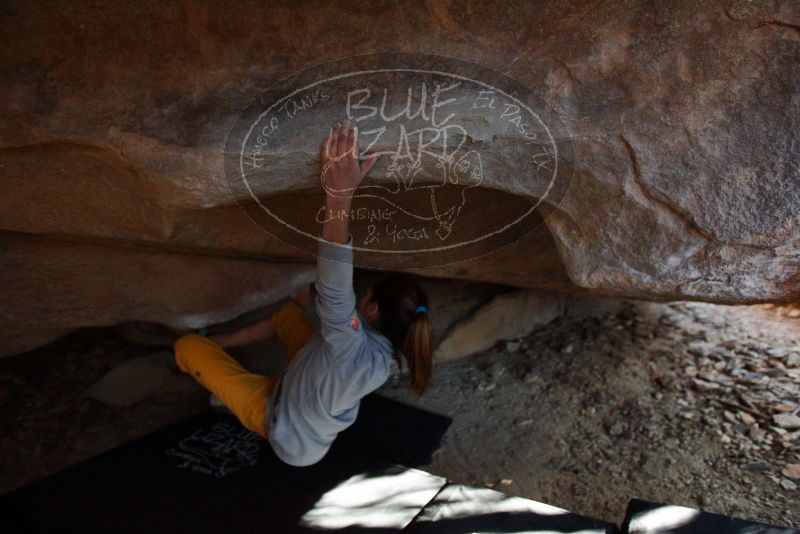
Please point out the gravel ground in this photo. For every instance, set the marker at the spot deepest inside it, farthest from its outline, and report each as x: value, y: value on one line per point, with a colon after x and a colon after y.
x: 586, y: 413
x: 684, y: 403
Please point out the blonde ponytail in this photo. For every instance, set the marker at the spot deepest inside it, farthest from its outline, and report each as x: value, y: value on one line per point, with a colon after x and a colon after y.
x: 417, y: 349
x: 402, y: 306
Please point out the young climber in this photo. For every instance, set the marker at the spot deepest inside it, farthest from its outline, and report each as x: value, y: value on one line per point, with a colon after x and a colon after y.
x: 329, y: 368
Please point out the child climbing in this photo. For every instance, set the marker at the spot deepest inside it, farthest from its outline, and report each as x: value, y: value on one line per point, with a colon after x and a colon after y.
x: 329, y: 369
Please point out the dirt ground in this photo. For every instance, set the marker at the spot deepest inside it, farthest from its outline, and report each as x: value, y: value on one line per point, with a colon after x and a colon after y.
x: 672, y: 402
x: 587, y: 413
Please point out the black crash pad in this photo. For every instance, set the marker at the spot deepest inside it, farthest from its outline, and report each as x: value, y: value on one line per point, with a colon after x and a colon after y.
x: 645, y: 517
x: 210, y: 474
x: 459, y: 509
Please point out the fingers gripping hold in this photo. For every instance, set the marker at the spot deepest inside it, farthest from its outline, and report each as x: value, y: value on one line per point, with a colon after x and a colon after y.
x: 341, y: 169
x: 351, y: 147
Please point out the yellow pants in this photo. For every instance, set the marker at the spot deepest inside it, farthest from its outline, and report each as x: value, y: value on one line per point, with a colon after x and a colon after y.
x: 244, y: 393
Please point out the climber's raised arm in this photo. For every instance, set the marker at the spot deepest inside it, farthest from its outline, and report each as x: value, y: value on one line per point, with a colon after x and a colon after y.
x: 341, y: 174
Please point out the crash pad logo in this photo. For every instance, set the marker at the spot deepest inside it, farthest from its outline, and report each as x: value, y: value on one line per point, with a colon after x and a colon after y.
x: 470, y: 160
x: 218, y: 451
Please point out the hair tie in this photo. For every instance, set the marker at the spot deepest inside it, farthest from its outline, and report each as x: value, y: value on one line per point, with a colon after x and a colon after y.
x: 421, y: 309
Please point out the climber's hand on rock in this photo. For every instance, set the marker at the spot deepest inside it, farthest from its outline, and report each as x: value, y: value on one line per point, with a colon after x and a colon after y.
x: 341, y: 170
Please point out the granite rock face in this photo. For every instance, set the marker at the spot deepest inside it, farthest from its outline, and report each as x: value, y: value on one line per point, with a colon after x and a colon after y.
x: 51, y: 288
x: 684, y: 121
x: 507, y: 316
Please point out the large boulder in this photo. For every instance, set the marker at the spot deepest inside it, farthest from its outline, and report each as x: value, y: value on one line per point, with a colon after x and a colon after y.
x: 684, y: 121
x: 507, y: 316
x: 51, y: 288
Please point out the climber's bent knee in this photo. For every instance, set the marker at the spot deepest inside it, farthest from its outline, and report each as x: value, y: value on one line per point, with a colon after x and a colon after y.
x: 189, y: 346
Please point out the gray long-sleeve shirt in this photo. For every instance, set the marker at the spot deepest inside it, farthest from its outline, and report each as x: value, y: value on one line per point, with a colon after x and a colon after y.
x: 319, y: 393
